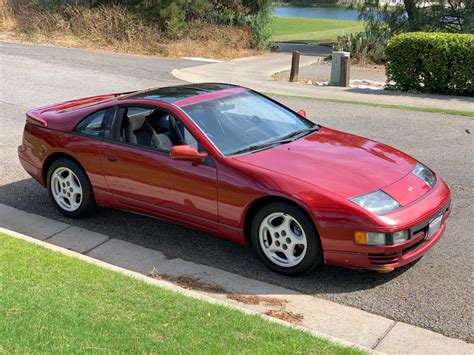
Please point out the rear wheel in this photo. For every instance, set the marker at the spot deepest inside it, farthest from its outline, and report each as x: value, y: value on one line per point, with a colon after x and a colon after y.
x: 70, y: 189
x: 285, y: 239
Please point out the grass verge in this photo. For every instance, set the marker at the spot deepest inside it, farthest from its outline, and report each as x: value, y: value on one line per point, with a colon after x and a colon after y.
x: 393, y: 107
x: 312, y: 30
x: 53, y: 303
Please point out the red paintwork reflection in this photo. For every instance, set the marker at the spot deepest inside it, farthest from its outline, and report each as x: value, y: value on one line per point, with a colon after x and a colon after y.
x: 319, y: 173
x: 342, y: 163
x: 407, y: 190
x: 148, y: 179
x: 187, y: 153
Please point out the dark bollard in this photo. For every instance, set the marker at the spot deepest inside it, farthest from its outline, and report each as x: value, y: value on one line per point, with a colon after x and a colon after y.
x: 295, y: 66
x: 345, y: 71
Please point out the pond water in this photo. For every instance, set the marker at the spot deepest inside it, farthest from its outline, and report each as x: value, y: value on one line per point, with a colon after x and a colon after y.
x: 330, y: 12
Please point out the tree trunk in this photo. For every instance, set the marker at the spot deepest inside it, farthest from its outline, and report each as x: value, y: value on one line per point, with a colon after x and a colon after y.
x: 411, y: 10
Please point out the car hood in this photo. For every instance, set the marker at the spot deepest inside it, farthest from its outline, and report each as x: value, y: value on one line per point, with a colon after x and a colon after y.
x: 342, y: 163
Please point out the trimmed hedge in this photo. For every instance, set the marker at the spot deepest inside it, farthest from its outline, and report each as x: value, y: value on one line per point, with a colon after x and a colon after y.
x: 441, y: 63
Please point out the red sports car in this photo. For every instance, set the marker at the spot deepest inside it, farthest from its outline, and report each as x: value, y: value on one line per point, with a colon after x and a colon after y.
x: 232, y: 162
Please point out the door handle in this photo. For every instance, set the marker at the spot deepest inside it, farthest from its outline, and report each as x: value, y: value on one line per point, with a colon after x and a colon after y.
x: 111, y: 157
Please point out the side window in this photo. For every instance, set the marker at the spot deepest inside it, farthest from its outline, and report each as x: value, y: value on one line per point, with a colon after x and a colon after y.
x: 132, y: 125
x: 93, y: 125
x: 153, y: 128
x: 187, y: 137
x: 145, y: 127
x: 190, y: 140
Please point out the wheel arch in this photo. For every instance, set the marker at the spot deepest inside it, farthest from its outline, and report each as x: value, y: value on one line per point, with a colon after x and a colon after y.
x: 265, y: 200
x: 55, y: 156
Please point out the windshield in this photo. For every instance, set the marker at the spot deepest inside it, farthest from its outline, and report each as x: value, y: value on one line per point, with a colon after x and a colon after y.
x: 245, y: 122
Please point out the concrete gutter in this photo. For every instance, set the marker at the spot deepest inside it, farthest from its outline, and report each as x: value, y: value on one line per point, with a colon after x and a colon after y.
x: 338, y: 323
x: 256, y: 73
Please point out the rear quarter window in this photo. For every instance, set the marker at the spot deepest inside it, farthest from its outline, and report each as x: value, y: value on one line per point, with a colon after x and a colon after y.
x: 93, y: 125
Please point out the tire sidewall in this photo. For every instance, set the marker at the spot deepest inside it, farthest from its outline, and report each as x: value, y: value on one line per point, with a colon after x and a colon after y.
x: 88, y: 201
x: 313, y: 256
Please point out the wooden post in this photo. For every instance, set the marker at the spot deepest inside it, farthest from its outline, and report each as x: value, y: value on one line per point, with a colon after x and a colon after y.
x: 295, y: 66
x: 345, y: 71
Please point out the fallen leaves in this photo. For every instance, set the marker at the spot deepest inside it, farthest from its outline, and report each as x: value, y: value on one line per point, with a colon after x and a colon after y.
x: 287, y: 316
x: 194, y: 283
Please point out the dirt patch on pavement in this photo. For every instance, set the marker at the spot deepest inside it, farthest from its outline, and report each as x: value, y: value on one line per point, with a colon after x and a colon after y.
x: 191, y: 283
x: 194, y: 283
x: 188, y: 283
x: 257, y: 300
x: 287, y: 316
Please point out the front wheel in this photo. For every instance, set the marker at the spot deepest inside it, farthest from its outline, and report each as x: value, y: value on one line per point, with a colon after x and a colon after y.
x: 285, y: 239
x: 70, y: 189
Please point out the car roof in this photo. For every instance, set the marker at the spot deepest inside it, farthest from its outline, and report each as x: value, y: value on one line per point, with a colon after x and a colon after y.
x: 179, y: 93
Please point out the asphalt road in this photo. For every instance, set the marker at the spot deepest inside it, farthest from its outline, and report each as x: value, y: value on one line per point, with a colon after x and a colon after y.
x: 436, y: 292
x: 304, y: 48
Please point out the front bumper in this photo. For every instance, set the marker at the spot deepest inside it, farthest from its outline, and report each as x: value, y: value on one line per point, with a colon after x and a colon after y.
x: 386, y: 259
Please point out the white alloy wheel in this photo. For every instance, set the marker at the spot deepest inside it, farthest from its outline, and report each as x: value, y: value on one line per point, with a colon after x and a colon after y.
x: 282, y: 239
x: 66, y: 189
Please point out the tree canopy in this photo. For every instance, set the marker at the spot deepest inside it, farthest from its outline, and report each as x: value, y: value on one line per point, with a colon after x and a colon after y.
x: 455, y: 16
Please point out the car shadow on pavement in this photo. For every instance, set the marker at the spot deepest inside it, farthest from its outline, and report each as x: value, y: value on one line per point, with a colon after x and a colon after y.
x: 180, y: 242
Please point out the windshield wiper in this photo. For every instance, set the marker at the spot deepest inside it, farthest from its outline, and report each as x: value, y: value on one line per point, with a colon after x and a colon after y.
x: 285, y: 139
x: 297, y: 134
x: 255, y: 147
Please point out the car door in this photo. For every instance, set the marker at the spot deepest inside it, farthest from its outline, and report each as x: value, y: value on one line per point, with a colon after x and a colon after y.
x: 141, y: 175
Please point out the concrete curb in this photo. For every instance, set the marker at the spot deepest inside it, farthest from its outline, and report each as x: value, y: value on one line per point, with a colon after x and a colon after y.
x: 172, y: 287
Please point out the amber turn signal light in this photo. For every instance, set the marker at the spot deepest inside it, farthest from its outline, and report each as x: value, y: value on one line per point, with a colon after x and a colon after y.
x: 360, y: 237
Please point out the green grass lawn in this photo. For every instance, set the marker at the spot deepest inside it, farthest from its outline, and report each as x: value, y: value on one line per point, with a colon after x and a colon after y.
x: 312, y: 29
x: 387, y: 106
x: 53, y: 303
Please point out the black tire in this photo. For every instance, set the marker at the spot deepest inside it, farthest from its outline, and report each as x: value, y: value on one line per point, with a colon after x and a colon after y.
x: 314, y: 255
x: 87, y: 204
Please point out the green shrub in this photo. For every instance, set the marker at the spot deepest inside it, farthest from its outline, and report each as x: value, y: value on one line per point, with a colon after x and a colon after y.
x: 366, y: 46
x: 253, y: 14
x: 441, y: 63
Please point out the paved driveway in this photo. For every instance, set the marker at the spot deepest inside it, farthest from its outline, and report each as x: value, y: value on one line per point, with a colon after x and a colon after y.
x: 435, y: 293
